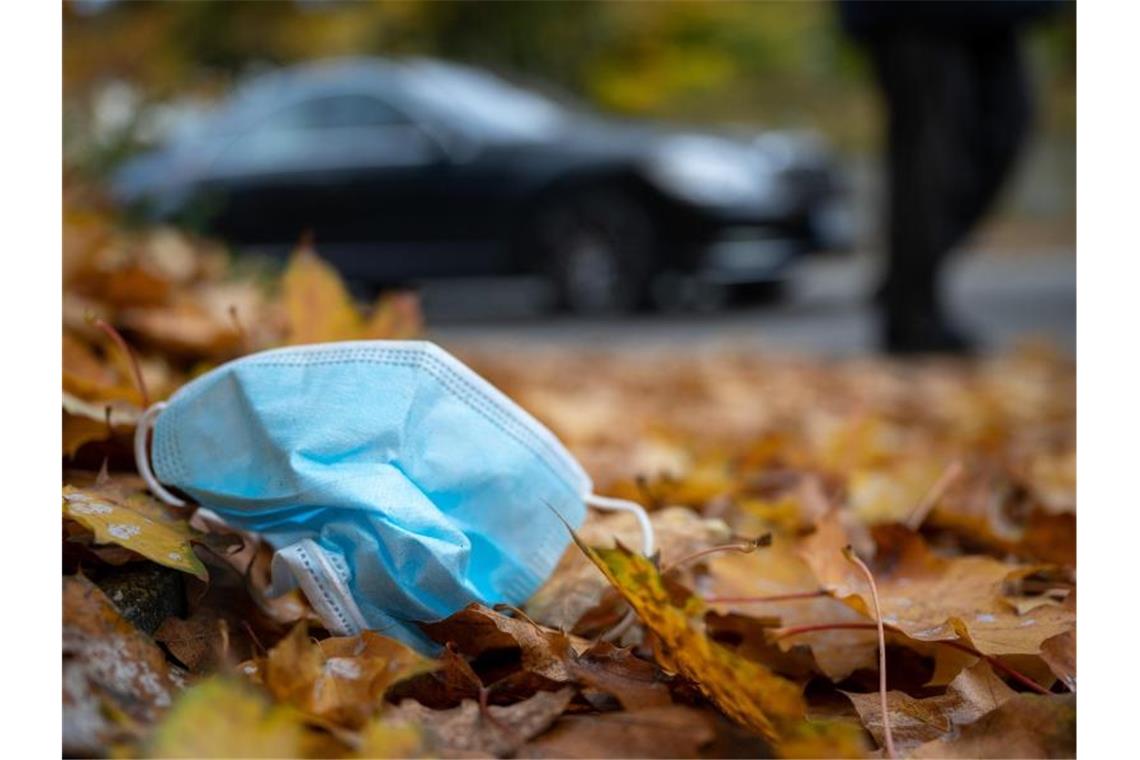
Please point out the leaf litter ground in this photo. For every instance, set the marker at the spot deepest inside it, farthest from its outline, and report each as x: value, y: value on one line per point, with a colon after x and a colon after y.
x: 754, y: 635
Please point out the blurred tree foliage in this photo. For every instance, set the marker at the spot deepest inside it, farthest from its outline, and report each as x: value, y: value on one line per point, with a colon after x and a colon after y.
x: 767, y: 63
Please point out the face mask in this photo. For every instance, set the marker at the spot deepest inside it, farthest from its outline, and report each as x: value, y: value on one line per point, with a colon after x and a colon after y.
x: 394, y: 483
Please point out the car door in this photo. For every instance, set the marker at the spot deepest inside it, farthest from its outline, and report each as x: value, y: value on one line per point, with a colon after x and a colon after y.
x: 345, y: 167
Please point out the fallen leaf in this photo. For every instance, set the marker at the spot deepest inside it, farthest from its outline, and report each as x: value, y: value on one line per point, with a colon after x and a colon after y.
x: 664, y: 731
x: 746, y: 691
x: 110, y: 669
x: 1026, y: 725
x: 973, y: 693
x: 339, y: 680
x: 395, y: 316
x: 575, y: 587
x: 494, y: 730
x: 391, y: 737
x: 476, y: 629
x: 183, y: 328
x: 1060, y: 654
x: 197, y: 642
x: 934, y: 598
x: 133, y: 519
x: 222, y: 717
x: 779, y: 570
x: 317, y: 303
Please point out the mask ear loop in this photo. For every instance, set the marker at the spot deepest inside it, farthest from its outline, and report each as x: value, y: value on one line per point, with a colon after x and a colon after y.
x: 142, y: 456
x: 648, y: 546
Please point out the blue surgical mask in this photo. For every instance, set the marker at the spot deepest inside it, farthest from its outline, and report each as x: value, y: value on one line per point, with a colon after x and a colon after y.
x: 395, y: 484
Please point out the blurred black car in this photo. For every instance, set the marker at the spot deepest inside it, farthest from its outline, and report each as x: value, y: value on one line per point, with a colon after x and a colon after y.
x: 418, y: 168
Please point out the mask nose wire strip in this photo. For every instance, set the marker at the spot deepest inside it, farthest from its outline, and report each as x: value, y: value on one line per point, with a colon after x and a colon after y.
x: 638, y: 511
x: 142, y: 457
x: 647, y: 545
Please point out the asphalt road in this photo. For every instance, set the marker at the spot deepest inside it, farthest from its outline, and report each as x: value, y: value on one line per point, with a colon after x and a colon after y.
x: 1004, y: 298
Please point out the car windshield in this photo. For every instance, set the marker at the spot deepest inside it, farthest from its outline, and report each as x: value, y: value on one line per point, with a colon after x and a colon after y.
x: 482, y: 104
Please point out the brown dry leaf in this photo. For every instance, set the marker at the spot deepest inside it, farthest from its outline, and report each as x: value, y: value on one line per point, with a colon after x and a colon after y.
x: 1060, y: 654
x: 87, y: 422
x: 131, y: 518
x: 88, y: 377
x: 575, y: 587
x: 779, y: 570
x: 340, y: 680
x: 477, y: 629
x: 183, y: 329
x: 973, y: 693
x: 1026, y: 725
x: 664, y: 731
x: 198, y: 641
x: 746, y: 691
x: 637, y: 684
x: 224, y: 718
x: 114, y: 676
x: 395, y: 316
x: 551, y: 655
x: 318, y: 305
x: 498, y: 731
x: 933, y: 598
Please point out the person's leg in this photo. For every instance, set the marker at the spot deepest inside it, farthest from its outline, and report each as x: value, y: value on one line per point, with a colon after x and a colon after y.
x: 927, y: 88
x: 1000, y: 121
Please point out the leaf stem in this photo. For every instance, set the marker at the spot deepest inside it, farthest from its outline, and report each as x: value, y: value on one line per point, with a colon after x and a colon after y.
x: 119, y: 341
x: 743, y: 547
x: 853, y: 559
x: 918, y: 515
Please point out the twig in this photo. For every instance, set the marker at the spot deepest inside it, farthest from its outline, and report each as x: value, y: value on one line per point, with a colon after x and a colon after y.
x: 918, y: 515
x: 850, y: 555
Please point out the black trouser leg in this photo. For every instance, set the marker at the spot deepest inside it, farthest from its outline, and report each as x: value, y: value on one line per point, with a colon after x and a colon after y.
x: 958, y: 109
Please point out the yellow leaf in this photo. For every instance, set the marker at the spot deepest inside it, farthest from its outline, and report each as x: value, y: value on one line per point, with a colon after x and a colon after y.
x: 220, y: 717
x: 134, y: 520
x: 385, y: 737
x: 395, y: 316
x: 318, y: 306
x: 745, y: 690
x: 341, y: 680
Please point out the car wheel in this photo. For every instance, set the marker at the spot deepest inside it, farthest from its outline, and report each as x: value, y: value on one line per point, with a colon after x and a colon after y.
x: 598, y: 249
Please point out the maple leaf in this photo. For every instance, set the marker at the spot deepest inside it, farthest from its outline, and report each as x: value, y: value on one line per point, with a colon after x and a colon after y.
x: 1025, y: 725
x: 551, y: 655
x: 779, y: 571
x: 933, y: 598
x: 110, y: 669
x: 317, y: 303
x: 746, y: 691
x: 133, y: 519
x: 665, y: 731
x: 222, y: 717
x: 495, y: 730
x: 340, y: 680
x: 574, y: 587
x: 183, y: 328
x: 973, y: 693
x: 320, y: 309
x: 86, y: 422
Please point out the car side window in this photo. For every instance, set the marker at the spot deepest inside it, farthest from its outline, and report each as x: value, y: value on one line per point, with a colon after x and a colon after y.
x: 337, y: 112
x: 326, y: 132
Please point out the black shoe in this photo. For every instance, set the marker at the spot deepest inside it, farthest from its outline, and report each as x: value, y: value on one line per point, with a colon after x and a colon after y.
x: 925, y: 334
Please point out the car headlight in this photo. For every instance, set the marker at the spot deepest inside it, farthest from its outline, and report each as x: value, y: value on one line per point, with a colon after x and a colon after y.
x: 709, y: 171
